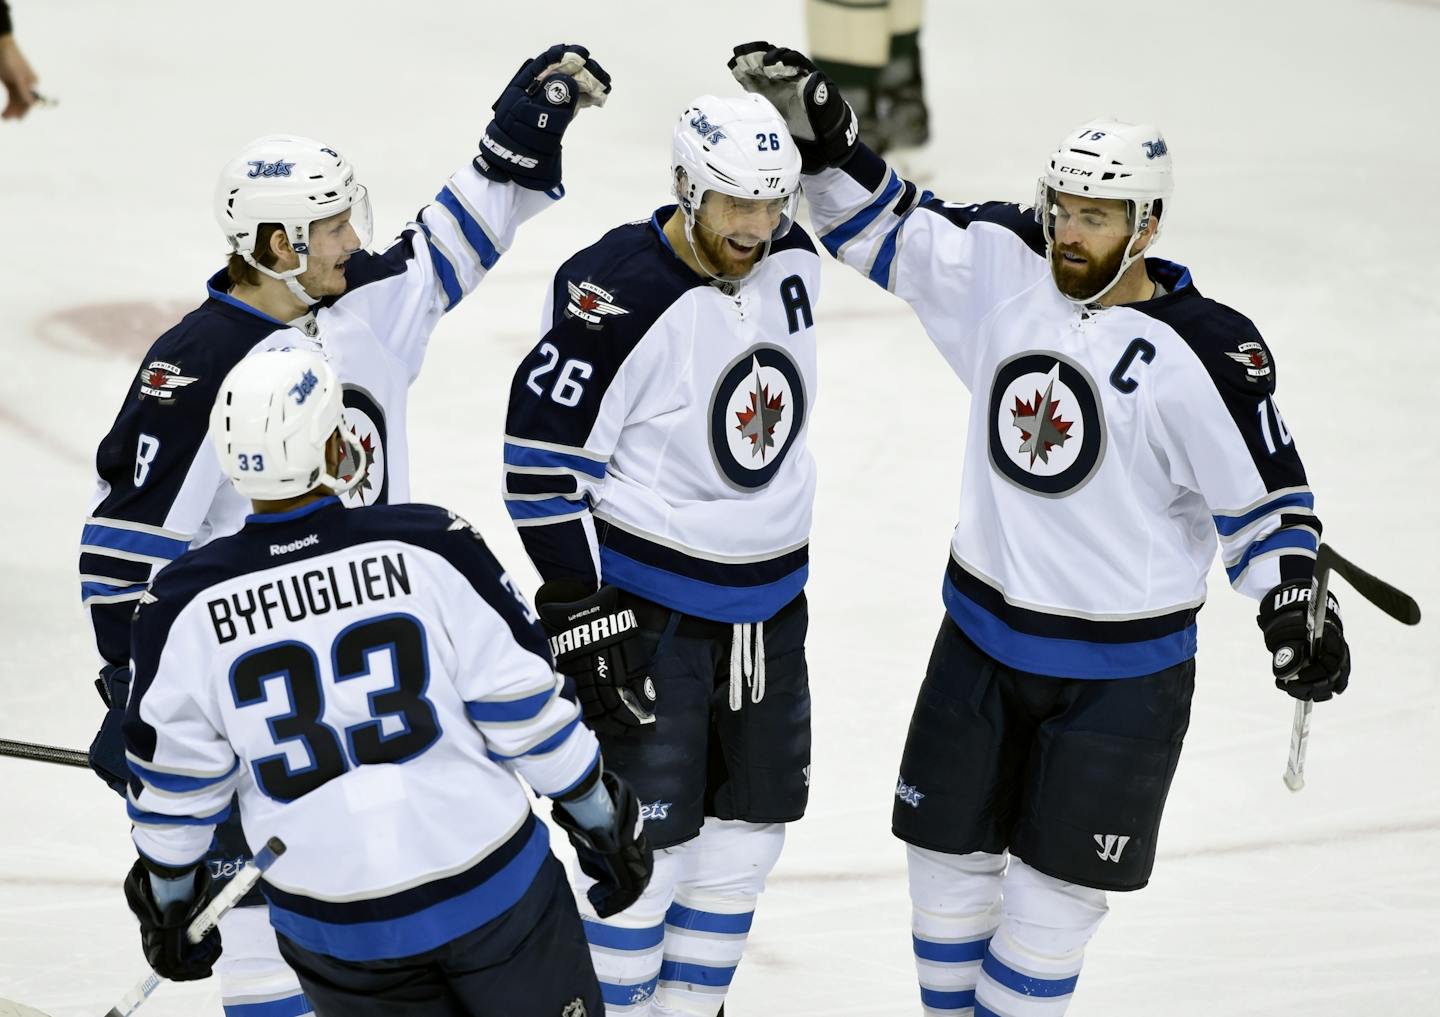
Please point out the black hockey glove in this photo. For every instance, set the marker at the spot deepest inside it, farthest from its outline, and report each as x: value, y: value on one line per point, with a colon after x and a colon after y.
x: 618, y: 858
x: 822, y: 123
x: 162, y: 930
x: 107, y: 751
x: 594, y: 641
x: 522, y: 143
x: 1303, y: 674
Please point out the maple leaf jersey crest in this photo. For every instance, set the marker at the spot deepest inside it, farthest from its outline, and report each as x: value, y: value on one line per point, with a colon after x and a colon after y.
x: 756, y: 412
x: 1047, y: 423
x: 161, y: 380
x: 589, y: 303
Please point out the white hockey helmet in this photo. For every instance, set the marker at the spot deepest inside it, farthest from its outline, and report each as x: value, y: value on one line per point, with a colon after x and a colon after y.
x: 271, y: 421
x: 738, y: 147
x: 1109, y: 158
x: 292, y: 181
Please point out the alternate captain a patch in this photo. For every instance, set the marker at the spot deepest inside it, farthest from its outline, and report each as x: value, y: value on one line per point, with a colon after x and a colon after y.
x: 756, y: 411
x: 1047, y: 425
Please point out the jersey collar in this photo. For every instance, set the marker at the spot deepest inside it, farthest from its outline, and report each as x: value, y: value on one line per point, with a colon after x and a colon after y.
x: 299, y: 513
x: 217, y: 284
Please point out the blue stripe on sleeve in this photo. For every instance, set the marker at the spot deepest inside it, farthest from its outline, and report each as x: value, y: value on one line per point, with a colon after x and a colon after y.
x: 139, y: 815
x: 530, y: 509
x: 934, y: 999
x: 88, y: 590
x: 449, y: 281
x: 523, y: 455
x: 548, y: 745
x: 514, y: 709
x: 1299, y: 539
x: 474, y: 233
x: 696, y: 974
x: 950, y: 953
x: 176, y: 783
x: 857, y: 223
x: 708, y: 921
x: 615, y: 938
x: 113, y: 537
x: 880, y: 269
x: 1225, y: 525
x: 1026, y: 985
x: 290, y: 1006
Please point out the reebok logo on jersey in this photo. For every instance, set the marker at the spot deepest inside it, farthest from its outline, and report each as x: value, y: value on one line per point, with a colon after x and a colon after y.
x: 523, y: 161
x: 160, y: 380
x: 589, y: 303
x: 295, y: 545
x: 1111, y: 846
x: 593, y: 632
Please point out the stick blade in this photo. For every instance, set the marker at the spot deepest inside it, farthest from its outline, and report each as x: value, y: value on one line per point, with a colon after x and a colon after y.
x: 1394, y: 602
x: 10, y: 1008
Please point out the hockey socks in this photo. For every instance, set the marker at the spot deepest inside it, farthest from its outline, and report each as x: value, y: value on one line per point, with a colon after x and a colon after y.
x: 704, y: 941
x: 956, y: 910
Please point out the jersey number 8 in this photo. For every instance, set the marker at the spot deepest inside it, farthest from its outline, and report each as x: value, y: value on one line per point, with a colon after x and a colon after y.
x: 330, y: 754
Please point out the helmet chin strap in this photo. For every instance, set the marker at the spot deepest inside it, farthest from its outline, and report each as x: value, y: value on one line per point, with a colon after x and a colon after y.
x: 729, y: 280
x: 290, y: 278
x: 1131, y: 255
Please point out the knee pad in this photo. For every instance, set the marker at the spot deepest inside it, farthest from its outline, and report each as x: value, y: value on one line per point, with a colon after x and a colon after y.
x: 947, y: 884
x: 253, y: 975
x: 730, y: 859
x: 1048, y: 916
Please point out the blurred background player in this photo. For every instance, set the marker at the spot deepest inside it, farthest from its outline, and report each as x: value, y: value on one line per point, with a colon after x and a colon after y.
x: 386, y: 648
x: 16, y: 74
x: 657, y: 468
x: 871, y: 49
x: 1120, y: 423
x: 299, y: 275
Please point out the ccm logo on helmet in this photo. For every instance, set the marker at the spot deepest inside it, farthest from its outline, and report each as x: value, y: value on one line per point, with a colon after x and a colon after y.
x: 593, y: 632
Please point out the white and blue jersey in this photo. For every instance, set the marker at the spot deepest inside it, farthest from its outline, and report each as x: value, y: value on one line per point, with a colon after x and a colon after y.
x: 159, y: 488
x: 370, y: 682
x: 656, y: 436
x: 1108, y: 448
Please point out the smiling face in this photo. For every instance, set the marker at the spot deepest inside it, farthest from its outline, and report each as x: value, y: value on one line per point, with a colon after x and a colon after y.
x: 1090, y: 237
x: 332, y: 241
x: 731, y: 232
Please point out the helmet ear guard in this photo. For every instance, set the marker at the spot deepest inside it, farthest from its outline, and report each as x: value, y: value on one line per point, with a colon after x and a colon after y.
x: 1110, y: 159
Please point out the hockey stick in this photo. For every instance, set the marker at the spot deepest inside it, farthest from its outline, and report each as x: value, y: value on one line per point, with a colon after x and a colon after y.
x: 43, y: 754
x: 1397, y: 605
x: 206, y: 920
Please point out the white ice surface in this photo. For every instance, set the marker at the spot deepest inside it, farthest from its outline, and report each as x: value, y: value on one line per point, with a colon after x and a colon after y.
x: 1305, y: 139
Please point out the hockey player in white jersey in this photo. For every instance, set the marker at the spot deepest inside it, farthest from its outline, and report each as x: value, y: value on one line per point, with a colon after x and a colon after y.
x: 656, y: 465
x: 1119, y: 423
x: 297, y: 221
x: 369, y: 682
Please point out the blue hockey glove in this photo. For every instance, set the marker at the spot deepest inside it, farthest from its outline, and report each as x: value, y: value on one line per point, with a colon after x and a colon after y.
x: 163, y: 927
x: 616, y: 856
x: 822, y: 123
x: 1298, y: 671
x: 107, y: 751
x: 522, y: 142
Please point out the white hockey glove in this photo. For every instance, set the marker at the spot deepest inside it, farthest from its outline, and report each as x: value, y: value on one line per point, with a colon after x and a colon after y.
x: 822, y: 123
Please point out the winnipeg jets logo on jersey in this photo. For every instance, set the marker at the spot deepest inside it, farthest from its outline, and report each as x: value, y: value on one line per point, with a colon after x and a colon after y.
x: 1047, y: 427
x: 1255, y: 359
x: 589, y: 302
x: 366, y: 422
x: 756, y: 410
x: 160, y: 380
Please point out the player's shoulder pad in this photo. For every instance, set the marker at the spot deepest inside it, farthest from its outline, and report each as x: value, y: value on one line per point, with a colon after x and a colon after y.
x: 613, y: 291
x: 193, y: 356
x: 1018, y: 219
x: 1226, y: 343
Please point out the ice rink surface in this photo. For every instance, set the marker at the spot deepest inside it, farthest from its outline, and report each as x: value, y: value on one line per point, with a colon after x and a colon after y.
x: 1304, y: 135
